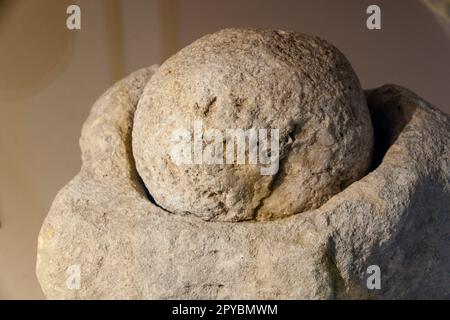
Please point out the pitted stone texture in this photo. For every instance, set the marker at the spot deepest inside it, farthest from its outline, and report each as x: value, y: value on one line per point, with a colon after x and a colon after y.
x: 243, y: 79
x: 396, y: 217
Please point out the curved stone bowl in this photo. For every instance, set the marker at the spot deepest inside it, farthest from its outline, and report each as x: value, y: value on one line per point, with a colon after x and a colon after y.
x: 126, y: 247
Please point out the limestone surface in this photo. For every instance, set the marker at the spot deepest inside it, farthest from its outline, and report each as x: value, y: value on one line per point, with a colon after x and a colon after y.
x: 126, y: 246
x: 300, y: 85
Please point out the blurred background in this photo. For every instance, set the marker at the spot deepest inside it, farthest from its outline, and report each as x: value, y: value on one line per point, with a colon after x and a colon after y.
x: 50, y: 76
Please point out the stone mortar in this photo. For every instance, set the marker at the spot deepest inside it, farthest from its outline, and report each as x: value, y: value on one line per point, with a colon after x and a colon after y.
x: 127, y: 247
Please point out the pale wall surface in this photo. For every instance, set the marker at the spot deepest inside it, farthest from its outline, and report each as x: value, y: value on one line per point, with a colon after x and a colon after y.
x: 50, y: 78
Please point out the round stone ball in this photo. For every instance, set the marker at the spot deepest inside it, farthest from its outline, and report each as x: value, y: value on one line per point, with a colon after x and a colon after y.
x: 251, y: 125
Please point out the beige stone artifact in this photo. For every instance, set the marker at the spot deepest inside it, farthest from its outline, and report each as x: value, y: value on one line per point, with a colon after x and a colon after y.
x: 244, y: 79
x: 363, y: 180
